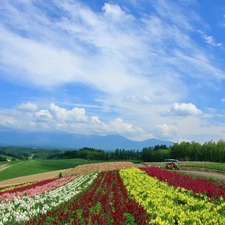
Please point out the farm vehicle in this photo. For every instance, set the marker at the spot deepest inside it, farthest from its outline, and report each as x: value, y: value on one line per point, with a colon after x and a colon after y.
x: 172, y: 164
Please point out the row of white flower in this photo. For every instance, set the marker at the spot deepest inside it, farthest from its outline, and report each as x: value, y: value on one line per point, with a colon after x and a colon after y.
x: 25, y: 208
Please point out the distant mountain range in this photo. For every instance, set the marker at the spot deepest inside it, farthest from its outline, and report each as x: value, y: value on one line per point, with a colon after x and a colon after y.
x: 75, y: 141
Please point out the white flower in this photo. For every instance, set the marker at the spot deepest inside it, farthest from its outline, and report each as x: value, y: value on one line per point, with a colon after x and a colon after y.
x: 22, y: 210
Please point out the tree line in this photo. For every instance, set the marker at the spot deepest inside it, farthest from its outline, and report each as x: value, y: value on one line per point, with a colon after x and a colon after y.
x: 118, y: 154
x: 193, y: 151
x: 185, y: 151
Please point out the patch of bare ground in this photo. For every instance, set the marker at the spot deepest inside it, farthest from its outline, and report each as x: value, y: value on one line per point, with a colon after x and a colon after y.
x: 208, y: 173
x: 31, y: 178
x: 89, y: 168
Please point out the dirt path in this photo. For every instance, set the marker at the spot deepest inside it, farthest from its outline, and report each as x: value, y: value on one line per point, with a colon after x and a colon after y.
x: 30, y: 178
x: 207, y: 174
x: 3, y: 167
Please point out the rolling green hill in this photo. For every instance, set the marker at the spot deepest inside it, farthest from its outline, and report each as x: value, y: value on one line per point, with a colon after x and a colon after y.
x: 24, y: 168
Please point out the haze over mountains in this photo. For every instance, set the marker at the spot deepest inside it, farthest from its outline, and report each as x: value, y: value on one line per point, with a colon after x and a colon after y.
x: 65, y: 140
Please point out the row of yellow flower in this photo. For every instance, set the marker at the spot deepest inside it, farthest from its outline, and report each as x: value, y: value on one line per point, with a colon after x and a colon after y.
x: 12, y: 187
x: 167, y: 205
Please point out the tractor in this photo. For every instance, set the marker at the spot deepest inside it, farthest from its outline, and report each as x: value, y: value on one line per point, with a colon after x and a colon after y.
x: 172, y: 164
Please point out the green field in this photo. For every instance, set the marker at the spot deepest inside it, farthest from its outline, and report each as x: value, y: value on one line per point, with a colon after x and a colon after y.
x: 7, y: 157
x: 205, y: 165
x: 24, y: 168
x: 8, y: 163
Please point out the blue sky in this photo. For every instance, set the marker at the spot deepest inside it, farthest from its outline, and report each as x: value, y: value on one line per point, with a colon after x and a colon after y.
x: 141, y: 69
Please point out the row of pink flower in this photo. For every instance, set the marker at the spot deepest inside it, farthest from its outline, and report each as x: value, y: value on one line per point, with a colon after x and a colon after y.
x: 198, y: 185
x: 35, y: 189
x: 27, y: 187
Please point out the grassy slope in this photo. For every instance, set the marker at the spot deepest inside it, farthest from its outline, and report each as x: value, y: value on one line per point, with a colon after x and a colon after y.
x: 8, y: 163
x: 205, y: 165
x: 24, y: 168
x: 7, y: 157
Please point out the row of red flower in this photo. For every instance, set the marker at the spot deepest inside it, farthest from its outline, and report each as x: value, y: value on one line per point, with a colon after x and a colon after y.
x: 198, y: 185
x: 105, y: 202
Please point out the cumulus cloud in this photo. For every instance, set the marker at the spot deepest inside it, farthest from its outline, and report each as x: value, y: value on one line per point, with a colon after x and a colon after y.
x: 183, y: 110
x: 63, y: 115
x: 43, y: 116
x: 115, y: 13
x: 29, y: 107
x: 27, y: 117
x: 165, y: 131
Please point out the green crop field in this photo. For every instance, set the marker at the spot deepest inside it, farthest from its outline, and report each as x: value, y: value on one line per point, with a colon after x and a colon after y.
x: 8, y: 163
x: 205, y: 165
x: 23, y: 168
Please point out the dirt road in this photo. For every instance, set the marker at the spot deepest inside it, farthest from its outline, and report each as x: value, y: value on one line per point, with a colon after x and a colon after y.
x: 207, y: 174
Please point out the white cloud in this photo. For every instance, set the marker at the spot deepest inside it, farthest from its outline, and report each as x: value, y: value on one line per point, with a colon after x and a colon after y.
x: 29, y: 107
x: 141, y: 63
x: 113, y: 12
x: 138, y: 99
x: 209, y: 39
x: 62, y: 115
x: 114, y: 55
x: 38, y: 63
x: 183, y: 110
x: 43, y: 115
x: 165, y: 131
x: 223, y: 100
x: 55, y: 118
x: 122, y: 127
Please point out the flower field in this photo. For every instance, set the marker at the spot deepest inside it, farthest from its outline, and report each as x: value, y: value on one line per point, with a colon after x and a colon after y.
x: 116, y: 194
